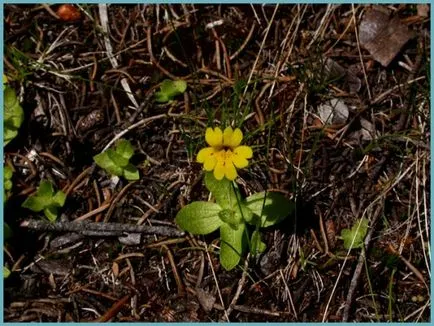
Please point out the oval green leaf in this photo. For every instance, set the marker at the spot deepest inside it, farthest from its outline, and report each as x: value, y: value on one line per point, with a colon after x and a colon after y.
x: 125, y: 149
x: 199, y: 217
x: 271, y: 207
x: 231, y: 245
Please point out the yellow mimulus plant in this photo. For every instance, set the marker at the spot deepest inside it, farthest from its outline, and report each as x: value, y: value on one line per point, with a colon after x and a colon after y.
x: 229, y: 211
x: 224, y: 154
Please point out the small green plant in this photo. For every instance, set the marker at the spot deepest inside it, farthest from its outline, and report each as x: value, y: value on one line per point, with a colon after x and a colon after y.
x: 47, y: 200
x: 354, y: 238
x: 169, y: 89
x: 6, y: 272
x: 117, y: 161
x: 7, y: 234
x: 231, y: 212
x: 7, y: 181
x: 13, y: 113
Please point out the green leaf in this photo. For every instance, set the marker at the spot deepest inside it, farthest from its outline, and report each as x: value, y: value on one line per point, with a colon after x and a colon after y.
x: 59, y: 199
x: 354, y: 238
x: 13, y: 114
x: 222, y: 190
x: 7, y: 182
x: 7, y: 172
x: 243, y: 212
x: 161, y: 98
x: 257, y: 246
x: 169, y: 89
x: 6, y: 272
x: 103, y: 160
x: 8, y: 134
x: 51, y: 213
x: 199, y: 217
x: 45, y: 190
x: 117, y: 159
x: 116, y: 162
x: 125, y: 149
x: 45, y: 199
x: 231, y: 246
x: 7, y: 231
x: 230, y: 217
x: 131, y: 173
x: 34, y: 203
x: 271, y: 211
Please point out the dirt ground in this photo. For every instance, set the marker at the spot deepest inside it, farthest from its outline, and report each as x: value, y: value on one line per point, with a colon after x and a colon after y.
x: 88, y: 75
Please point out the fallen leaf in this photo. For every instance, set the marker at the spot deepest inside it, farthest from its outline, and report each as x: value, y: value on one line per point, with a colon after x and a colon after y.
x: 383, y: 36
x: 334, y: 111
x: 205, y: 299
x: 422, y: 9
x: 367, y: 132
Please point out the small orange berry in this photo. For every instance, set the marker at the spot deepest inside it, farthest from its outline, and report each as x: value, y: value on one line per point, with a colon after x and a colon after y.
x: 68, y: 13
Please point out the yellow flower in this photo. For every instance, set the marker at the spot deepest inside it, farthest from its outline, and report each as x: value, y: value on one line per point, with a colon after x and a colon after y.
x: 225, y: 154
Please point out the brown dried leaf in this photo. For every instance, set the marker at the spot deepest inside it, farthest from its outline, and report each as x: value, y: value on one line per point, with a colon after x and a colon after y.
x: 383, y: 36
x: 331, y: 233
x: 423, y: 10
x: 206, y: 300
x: 115, y: 269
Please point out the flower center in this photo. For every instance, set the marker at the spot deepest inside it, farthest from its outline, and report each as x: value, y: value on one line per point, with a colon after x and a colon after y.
x: 224, y: 156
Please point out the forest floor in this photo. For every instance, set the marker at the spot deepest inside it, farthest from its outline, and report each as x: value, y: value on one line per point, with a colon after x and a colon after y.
x: 333, y: 99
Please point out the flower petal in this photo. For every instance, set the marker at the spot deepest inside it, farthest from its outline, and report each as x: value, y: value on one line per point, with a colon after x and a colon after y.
x: 232, y: 138
x: 230, y: 171
x: 243, y: 151
x: 219, y: 170
x: 214, y: 138
x: 239, y: 161
x: 210, y: 163
x: 227, y: 136
x: 204, y: 153
x: 237, y: 137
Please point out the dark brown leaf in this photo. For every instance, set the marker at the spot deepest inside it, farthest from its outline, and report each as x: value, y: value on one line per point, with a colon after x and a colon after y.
x: 383, y: 36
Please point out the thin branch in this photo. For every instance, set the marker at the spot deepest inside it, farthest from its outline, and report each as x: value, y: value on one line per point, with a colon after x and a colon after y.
x: 112, y: 228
